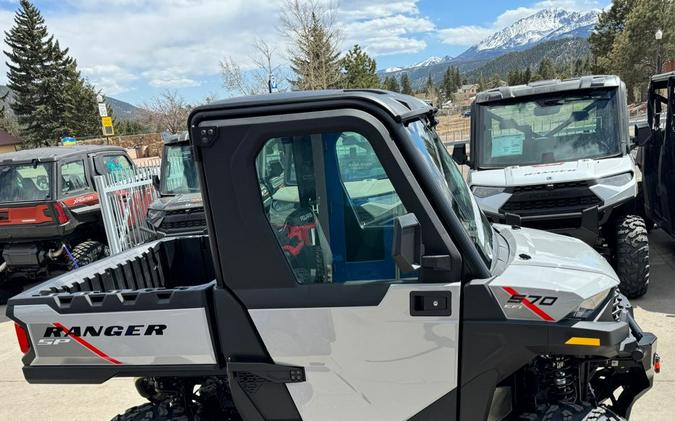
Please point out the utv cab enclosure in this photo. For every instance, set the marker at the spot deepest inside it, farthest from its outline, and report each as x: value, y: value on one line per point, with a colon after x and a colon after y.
x: 49, y: 210
x: 656, y: 155
x: 367, y: 286
x: 554, y: 155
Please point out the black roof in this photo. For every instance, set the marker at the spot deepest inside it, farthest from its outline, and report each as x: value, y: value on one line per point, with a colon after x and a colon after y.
x: 661, y: 80
x: 396, y: 104
x: 543, y: 87
x: 54, y: 153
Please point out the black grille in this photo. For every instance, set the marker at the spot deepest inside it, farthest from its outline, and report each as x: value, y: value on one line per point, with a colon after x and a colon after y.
x: 185, y: 211
x: 548, y: 199
x: 182, y: 224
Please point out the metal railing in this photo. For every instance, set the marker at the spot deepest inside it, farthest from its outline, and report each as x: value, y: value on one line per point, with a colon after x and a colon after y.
x: 125, y: 197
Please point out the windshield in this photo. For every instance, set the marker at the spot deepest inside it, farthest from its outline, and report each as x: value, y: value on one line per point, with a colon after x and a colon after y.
x: 463, y: 203
x: 179, y: 174
x: 544, y: 130
x: 25, y: 183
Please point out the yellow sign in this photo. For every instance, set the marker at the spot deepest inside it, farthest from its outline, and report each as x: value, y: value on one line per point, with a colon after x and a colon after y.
x: 106, y: 121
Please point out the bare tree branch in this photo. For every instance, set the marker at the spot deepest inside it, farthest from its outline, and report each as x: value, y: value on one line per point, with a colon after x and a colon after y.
x: 167, y: 112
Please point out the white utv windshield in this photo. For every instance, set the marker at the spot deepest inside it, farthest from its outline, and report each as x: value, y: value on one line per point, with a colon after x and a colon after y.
x: 548, y: 129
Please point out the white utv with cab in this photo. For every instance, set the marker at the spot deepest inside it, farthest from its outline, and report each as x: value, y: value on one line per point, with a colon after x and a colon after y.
x: 554, y: 155
x: 376, y: 290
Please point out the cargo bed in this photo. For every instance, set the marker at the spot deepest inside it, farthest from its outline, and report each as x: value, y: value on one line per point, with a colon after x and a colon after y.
x: 144, y: 310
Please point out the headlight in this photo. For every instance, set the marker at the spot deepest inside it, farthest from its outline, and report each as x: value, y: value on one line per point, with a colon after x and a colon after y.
x: 617, y: 180
x: 485, y: 191
x: 589, y: 305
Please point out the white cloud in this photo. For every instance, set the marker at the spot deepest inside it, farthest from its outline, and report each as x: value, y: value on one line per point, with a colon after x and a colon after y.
x: 473, y: 34
x: 384, y: 27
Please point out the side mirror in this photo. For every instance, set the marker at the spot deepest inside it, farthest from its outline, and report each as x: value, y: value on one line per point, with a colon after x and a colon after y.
x: 459, y: 154
x: 407, y: 244
x: 155, y: 182
x: 643, y: 134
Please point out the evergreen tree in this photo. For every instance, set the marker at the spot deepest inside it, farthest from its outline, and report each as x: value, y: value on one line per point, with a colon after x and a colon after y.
x: 391, y: 84
x: 546, y: 70
x: 634, y: 50
x: 527, y: 76
x: 611, y: 22
x: 51, y: 100
x: 429, y: 87
x: 315, y: 60
x: 406, y: 88
x: 359, y: 70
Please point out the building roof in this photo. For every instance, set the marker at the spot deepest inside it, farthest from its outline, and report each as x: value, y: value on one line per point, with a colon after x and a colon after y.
x: 8, y: 139
x: 543, y: 87
x: 54, y: 153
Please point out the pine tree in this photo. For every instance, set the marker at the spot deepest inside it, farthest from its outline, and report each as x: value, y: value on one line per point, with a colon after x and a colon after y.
x: 406, y: 88
x: 611, y: 22
x: 360, y: 70
x: 546, y: 70
x: 429, y: 87
x: 527, y: 75
x: 50, y: 98
x: 315, y: 60
x: 391, y: 84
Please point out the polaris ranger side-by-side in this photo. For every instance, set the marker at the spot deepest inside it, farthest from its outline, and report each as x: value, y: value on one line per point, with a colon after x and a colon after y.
x: 179, y: 210
x: 554, y: 155
x: 384, y: 293
x: 50, y: 219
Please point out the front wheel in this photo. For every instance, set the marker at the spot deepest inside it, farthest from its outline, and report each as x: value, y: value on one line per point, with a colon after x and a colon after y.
x: 631, y: 253
x: 571, y: 412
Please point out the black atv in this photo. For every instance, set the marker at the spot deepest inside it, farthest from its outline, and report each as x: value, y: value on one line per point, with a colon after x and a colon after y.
x: 50, y: 219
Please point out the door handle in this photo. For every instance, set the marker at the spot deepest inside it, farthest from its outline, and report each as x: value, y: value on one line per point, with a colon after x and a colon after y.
x: 430, y: 303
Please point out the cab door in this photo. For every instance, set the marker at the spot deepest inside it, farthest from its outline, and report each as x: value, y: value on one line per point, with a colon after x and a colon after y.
x: 361, y: 337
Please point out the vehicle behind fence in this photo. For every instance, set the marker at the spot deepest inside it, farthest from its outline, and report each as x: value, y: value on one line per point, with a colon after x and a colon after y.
x: 125, y: 197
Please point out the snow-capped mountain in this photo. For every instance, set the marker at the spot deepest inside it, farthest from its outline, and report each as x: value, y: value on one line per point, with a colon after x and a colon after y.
x: 432, y: 61
x: 545, y: 25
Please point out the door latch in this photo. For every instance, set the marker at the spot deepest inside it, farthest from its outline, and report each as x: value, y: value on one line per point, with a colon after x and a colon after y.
x: 430, y: 303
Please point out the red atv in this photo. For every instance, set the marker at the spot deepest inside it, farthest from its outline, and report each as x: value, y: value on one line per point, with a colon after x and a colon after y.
x: 50, y: 218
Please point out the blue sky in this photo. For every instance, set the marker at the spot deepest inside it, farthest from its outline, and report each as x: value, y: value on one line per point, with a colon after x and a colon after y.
x: 134, y: 49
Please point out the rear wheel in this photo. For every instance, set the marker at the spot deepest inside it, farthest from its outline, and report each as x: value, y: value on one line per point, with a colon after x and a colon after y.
x: 631, y: 253
x: 571, y: 412
x: 87, y: 252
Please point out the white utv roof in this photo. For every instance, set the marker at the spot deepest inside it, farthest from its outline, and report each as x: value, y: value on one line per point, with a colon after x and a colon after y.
x: 548, y: 86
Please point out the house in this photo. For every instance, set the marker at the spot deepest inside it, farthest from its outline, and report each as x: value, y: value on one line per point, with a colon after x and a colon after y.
x: 469, y: 90
x: 8, y: 143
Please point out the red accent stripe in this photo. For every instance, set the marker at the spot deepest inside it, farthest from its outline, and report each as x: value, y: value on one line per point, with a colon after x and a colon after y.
x: 87, y: 345
x: 536, y: 310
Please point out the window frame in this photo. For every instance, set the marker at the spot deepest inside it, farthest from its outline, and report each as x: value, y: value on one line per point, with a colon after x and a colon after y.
x: 248, y: 257
x: 98, y: 161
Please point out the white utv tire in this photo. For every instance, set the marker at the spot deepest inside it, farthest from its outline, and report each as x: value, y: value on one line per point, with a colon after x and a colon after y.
x: 631, y: 255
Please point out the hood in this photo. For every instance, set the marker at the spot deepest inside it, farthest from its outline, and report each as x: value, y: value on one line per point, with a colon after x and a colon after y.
x: 178, y: 202
x: 561, y: 271
x: 584, y: 169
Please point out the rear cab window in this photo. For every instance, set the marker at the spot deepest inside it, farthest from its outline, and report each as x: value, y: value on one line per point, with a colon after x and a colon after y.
x: 26, y: 182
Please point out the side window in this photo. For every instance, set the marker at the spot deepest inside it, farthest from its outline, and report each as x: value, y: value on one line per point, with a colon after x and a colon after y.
x: 114, y: 163
x: 73, y: 178
x: 331, y: 206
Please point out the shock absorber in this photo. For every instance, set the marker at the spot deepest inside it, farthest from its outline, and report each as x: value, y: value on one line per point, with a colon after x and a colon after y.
x: 560, y: 379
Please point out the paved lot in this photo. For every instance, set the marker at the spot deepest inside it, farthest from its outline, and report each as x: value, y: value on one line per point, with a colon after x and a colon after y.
x: 22, y: 401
